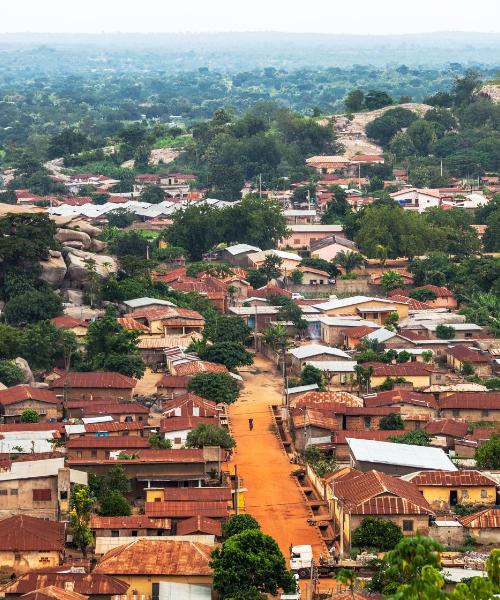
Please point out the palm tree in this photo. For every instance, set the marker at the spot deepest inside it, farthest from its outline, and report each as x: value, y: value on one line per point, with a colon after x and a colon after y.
x: 349, y: 260
x: 483, y: 308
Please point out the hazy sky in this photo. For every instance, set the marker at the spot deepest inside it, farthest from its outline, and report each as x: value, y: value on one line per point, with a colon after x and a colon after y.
x: 325, y: 16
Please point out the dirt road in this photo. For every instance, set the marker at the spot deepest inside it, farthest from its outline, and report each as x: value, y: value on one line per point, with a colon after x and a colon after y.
x: 273, y: 497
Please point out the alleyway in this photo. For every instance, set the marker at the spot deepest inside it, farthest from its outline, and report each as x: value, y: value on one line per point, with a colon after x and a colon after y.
x: 273, y: 497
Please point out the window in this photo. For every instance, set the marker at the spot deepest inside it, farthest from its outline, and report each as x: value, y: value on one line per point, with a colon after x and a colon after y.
x: 93, y: 453
x: 139, y: 418
x: 63, y: 495
x: 42, y: 495
x: 296, y: 242
x: 196, y: 411
x: 485, y: 413
x: 177, y: 440
x: 407, y: 525
x: 465, y: 493
x: 133, y: 533
x: 3, y: 492
x: 484, y: 493
x: 13, y: 492
x: 115, y: 533
x: 368, y: 422
x: 456, y: 412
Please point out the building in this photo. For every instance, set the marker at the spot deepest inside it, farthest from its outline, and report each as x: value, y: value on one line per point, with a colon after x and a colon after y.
x: 15, y: 400
x: 328, y: 164
x: 483, y: 526
x: 146, y: 564
x: 471, y: 406
x: 303, y: 236
x: 396, y: 459
x: 420, y: 375
x: 314, y: 277
x: 333, y: 330
x: 145, y: 303
x: 131, y: 526
x: 374, y: 309
x: 176, y: 429
x: 328, y: 247
x: 408, y: 401
x: 445, y: 432
x: 29, y: 438
x: 338, y: 374
x: 124, y: 412
x: 38, y: 488
x: 166, y: 321
x: 100, y: 447
x: 317, y: 352
x: 289, y: 260
x: 95, y: 386
x: 238, y: 254
x: 28, y: 543
x: 444, y: 489
x: 417, y: 199
x: 54, y: 593
x: 460, y: 355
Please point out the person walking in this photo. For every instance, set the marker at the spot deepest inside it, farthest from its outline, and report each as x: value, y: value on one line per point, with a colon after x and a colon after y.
x: 250, y: 424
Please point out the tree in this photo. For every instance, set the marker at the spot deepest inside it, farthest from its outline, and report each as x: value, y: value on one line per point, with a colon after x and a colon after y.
x: 423, y: 135
x: 114, y: 504
x: 390, y: 280
x: 297, y: 277
x: 377, y: 533
x: 33, y: 306
x: 349, y: 260
x: 427, y: 356
x: 238, y: 523
x: 445, y: 332
x: 483, y: 309
x: 319, y: 462
x: 30, y: 416
x: 337, y: 208
x: 271, y: 267
x: 418, y: 437
x: 375, y: 99
x: 209, y: 435
x: 250, y: 560
x: 402, y: 146
x: 153, y: 194
x: 81, y: 505
x: 323, y: 265
x: 120, y: 217
x: 129, y: 243
x: 229, y: 354
x: 10, y: 373
x: 222, y: 328
x: 311, y: 375
x: 276, y: 336
x: 488, y: 455
x: 491, y: 237
x: 256, y: 278
x: 363, y: 377
x: 114, y: 479
x: 219, y: 387
x: 157, y: 442
x: 391, y: 421
x: 423, y: 295
x: 354, y: 100
x: 467, y: 369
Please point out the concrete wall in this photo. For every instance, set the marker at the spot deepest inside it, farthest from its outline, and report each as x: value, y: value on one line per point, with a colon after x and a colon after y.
x: 16, y: 498
x: 22, y: 562
x: 448, y: 536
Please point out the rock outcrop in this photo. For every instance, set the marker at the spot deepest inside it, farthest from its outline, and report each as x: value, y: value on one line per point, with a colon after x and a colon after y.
x: 25, y: 368
x: 70, y: 235
x: 78, y: 267
x: 53, y: 269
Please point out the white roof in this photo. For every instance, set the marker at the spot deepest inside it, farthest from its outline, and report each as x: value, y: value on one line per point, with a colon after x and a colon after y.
x: 456, y: 326
x: 145, y: 301
x: 258, y: 256
x: 252, y: 310
x: 449, y: 523
x: 302, y: 388
x: 334, y: 366
x: 103, y: 419
x: 70, y: 429
x: 351, y: 321
x: 406, y: 455
x: 314, y: 350
x: 456, y: 574
x: 381, y: 335
x: 49, y: 467
x: 241, y: 248
x: 312, y: 228
x: 293, y: 212
x: 342, y: 302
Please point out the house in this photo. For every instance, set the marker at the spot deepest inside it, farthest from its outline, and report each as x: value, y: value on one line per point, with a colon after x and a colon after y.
x: 238, y: 254
x: 124, y: 412
x: 312, y: 276
x: 351, y: 337
x: 76, y: 326
x: 358, y: 495
x: 333, y: 329
x: 169, y: 320
x: 316, y: 352
x: 189, y: 405
x: 54, y: 593
x: 171, y: 386
x: 444, y: 489
x: 38, y: 488
x: 256, y: 317
x: 302, y: 236
x: 338, y: 374
x: 26, y: 439
x: 340, y: 446
x: 133, y: 325
x: 328, y: 164
x: 417, y: 199
x: 152, y: 349
x: 470, y: 406
x: 460, y: 355
x: 28, y: 543
x: 105, y: 447
x: 374, y: 309
x: 15, y: 400
x: 328, y: 247
x: 145, y: 303
x: 299, y: 217
x: 444, y: 297
x: 131, y: 526
x: 446, y: 432
x: 199, y: 525
x: 107, y: 429
x: 289, y: 260
x: 408, y: 401
x: 396, y: 459
x: 483, y: 526
x: 147, y: 565
x: 176, y: 429
x: 311, y: 427
x: 420, y: 375
x: 95, y: 386
x: 95, y: 586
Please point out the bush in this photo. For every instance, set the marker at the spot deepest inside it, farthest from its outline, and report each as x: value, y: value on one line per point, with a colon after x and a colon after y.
x: 391, y: 421
x: 377, y: 533
x: 30, y: 416
x: 445, y: 332
x: 114, y: 504
x: 10, y: 373
x: 209, y: 435
x: 32, y: 307
x: 488, y: 455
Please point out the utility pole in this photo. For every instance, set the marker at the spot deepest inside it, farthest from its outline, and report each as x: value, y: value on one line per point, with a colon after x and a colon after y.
x: 260, y: 185
x: 236, y: 491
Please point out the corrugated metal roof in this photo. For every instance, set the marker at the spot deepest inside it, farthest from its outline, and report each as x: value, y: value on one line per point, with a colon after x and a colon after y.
x: 451, y: 427
x: 316, y: 349
x: 477, y: 400
x: 91, y: 584
x: 186, y: 422
x: 186, y: 509
x: 119, y: 442
x: 53, y: 593
x: 93, y: 379
x: 199, y: 524
x: 23, y: 533
x: 198, y: 494
x: 484, y: 519
x: 19, y: 393
x: 465, y: 478
x: 130, y: 522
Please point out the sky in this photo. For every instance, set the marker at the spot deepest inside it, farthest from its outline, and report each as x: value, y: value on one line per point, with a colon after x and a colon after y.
x: 322, y: 16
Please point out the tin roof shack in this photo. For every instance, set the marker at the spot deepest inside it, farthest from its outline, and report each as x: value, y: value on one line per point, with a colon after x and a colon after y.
x: 409, y: 402
x: 15, y: 400
x: 39, y: 488
x: 471, y: 406
x: 461, y: 355
x: 484, y: 526
x: 132, y: 526
x: 397, y: 459
x: 358, y: 495
x: 311, y: 427
x: 445, y: 432
x: 316, y: 352
x: 443, y: 489
x: 100, y: 447
x: 95, y: 586
x: 153, y: 468
x: 94, y: 386
x: 146, y: 564
x: 28, y: 543
x: 124, y: 412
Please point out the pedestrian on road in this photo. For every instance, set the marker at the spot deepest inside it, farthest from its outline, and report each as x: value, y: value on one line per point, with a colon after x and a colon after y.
x: 250, y: 424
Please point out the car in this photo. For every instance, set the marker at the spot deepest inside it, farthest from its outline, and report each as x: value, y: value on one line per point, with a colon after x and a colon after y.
x: 297, y: 296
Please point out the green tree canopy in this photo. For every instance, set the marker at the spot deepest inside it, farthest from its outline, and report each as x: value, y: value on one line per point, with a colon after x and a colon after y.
x: 377, y: 533
x: 488, y: 454
x: 229, y: 354
x: 114, y: 504
x: 219, y: 387
x: 209, y: 435
x: 238, y: 523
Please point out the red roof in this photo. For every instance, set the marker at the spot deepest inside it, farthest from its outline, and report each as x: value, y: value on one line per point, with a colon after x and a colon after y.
x: 358, y: 332
x: 65, y: 322
x: 480, y: 434
x: 198, y: 494
x: 93, y: 379
x: 20, y: 393
x: 113, y: 426
x: 89, y: 584
x: 474, y: 400
x: 441, y: 292
x: 450, y: 427
x: 463, y: 353
x: 199, y: 366
x: 149, y: 456
x: 130, y: 522
x: 409, y: 369
x: 412, y: 303
x: 489, y: 518
x: 90, y: 408
x: 340, y: 437
x: 118, y: 442
x: 23, y: 533
x: 183, y: 423
x: 30, y: 427
x: 271, y: 290
x: 367, y: 158
x: 132, y: 324
x: 199, y: 524
x: 172, y: 381
x: 459, y: 478
x: 187, y: 402
x: 78, y: 201
x: 186, y: 509
x: 401, y: 396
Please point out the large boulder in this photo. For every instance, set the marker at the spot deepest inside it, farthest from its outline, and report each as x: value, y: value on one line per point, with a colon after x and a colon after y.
x: 25, y: 368
x: 73, y: 297
x: 98, y: 245
x: 74, y: 244
x: 87, y: 228
x: 53, y: 269
x: 70, y: 235
x: 78, y: 268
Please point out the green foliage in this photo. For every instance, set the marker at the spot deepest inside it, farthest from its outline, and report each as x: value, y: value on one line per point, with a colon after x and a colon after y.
x: 250, y: 560
x: 377, y: 533
x: 391, y: 421
x: 488, y: 454
x: 390, y: 280
x: 120, y: 217
x: 81, y: 505
x: 319, y: 462
x: 483, y: 309
x: 219, y: 387
x: 157, y: 442
x: 354, y: 100
x: 209, y: 435
x: 418, y: 437
x: 423, y: 295
x: 221, y: 328
x: 238, y: 523
x: 30, y: 416
x: 32, y: 307
x: 10, y: 373
x: 114, y: 504
x: 310, y: 375
x: 152, y: 194
x: 322, y: 265
x: 297, y: 276
x: 349, y: 260
x: 229, y: 354
x: 128, y: 243
x: 114, y: 479
x: 445, y: 332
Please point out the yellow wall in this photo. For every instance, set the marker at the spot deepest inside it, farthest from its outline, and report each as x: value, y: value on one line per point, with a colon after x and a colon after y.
x: 143, y: 584
x: 155, y: 495
x: 439, y: 497
x: 419, y: 381
x: 401, y: 309
x: 27, y: 561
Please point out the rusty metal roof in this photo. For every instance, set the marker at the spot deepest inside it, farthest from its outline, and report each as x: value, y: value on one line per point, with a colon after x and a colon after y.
x: 472, y: 400
x: 450, y: 427
x: 463, y: 353
x: 130, y: 522
x: 23, y: 533
x: 198, y: 494
x: 20, y: 393
x: 157, y: 557
x: 402, y: 396
x: 116, y: 441
x: 390, y: 505
x: 199, y: 366
x: 93, y: 379
x: 188, y: 422
x: 89, y: 584
x: 53, y: 593
x: 489, y: 518
x: 199, y: 524
x: 114, y: 426
x: 461, y: 478
x: 186, y: 509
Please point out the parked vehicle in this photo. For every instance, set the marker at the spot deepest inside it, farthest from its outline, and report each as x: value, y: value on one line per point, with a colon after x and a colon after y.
x: 302, y: 561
